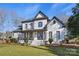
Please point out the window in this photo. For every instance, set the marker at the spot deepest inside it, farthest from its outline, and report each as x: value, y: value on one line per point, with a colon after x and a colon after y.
x: 58, y: 35
x: 26, y: 26
x: 31, y: 24
x: 40, y: 35
x: 50, y: 34
x: 54, y: 22
x: 40, y: 24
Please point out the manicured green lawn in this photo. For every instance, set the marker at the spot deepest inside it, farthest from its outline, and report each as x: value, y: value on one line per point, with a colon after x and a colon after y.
x: 18, y: 50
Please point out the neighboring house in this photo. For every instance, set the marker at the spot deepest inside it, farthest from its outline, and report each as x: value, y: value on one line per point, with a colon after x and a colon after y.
x: 40, y: 29
x: 7, y: 35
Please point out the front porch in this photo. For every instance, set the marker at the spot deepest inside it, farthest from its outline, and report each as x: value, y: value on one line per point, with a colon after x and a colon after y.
x: 40, y: 37
x: 35, y: 37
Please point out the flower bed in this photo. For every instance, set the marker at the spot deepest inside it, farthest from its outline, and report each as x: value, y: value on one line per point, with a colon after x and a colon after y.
x: 67, y: 45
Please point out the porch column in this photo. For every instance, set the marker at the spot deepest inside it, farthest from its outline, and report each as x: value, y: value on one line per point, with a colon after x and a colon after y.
x: 28, y: 35
x: 44, y: 35
x: 47, y: 35
x: 35, y: 35
x: 24, y: 35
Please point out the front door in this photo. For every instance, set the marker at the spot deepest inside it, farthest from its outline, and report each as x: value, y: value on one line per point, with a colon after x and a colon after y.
x: 40, y: 35
x: 30, y: 35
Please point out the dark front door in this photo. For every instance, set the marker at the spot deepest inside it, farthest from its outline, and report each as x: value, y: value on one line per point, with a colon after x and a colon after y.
x: 30, y: 35
x: 40, y: 35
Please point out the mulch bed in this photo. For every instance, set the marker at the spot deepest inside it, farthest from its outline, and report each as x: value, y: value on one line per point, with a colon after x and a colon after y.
x: 66, y: 45
x: 2, y: 41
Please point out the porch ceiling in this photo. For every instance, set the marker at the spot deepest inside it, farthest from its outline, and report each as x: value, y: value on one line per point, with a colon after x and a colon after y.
x: 21, y: 31
x: 34, y: 30
x: 16, y: 31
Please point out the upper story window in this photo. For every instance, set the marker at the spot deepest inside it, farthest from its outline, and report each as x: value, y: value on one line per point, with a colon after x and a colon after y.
x: 31, y: 24
x: 26, y: 26
x: 40, y: 24
x: 54, y: 22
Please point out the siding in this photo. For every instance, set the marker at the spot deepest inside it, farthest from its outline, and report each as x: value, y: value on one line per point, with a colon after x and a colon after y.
x: 35, y: 24
x: 55, y: 27
x: 44, y: 22
x: 28, y: 26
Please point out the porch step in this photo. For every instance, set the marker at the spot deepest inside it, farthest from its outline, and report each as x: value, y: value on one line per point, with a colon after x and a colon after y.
x: 37, y: 42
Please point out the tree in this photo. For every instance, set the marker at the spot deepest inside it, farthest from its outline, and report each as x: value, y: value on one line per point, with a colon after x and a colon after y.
x: 3, y: 16
x: 73, y: 22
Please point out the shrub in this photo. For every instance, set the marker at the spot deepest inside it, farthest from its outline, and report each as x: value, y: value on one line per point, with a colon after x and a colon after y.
x: 7, y: 40
x: 67, y: 38
x: 25, y: 40
x: 50, y: 40
x: 13, y: 40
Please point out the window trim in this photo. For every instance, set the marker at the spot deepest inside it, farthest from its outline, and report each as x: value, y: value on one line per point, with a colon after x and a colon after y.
x: 58, y: 34
x: 40, y: 35
x: 40, y: 24
x: 26, y: 26
x: 54, y: 22
x: 31, y: 24
x: 50, y: 34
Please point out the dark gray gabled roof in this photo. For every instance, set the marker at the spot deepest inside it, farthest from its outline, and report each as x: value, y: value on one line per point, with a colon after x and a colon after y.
x: 58, y: 20
x: 34, y: 19
x: 18, y: 29
x: 45, y: 28
x: 28, y: 20
x: 40, y: 12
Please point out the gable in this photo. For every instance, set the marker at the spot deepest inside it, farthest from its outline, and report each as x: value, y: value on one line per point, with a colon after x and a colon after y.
x: 53, y: 21
x: 57, y: 21
x: 54, y: 25
x: 40, y: 15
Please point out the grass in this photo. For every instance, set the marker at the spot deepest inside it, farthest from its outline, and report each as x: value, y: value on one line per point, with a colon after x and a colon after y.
x: 18, y: 50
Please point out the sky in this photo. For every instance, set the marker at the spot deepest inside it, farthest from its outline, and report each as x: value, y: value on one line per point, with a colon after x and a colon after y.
x: 29, y: 10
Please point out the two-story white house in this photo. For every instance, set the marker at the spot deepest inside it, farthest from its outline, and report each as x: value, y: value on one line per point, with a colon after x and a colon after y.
x: 41, y: 28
